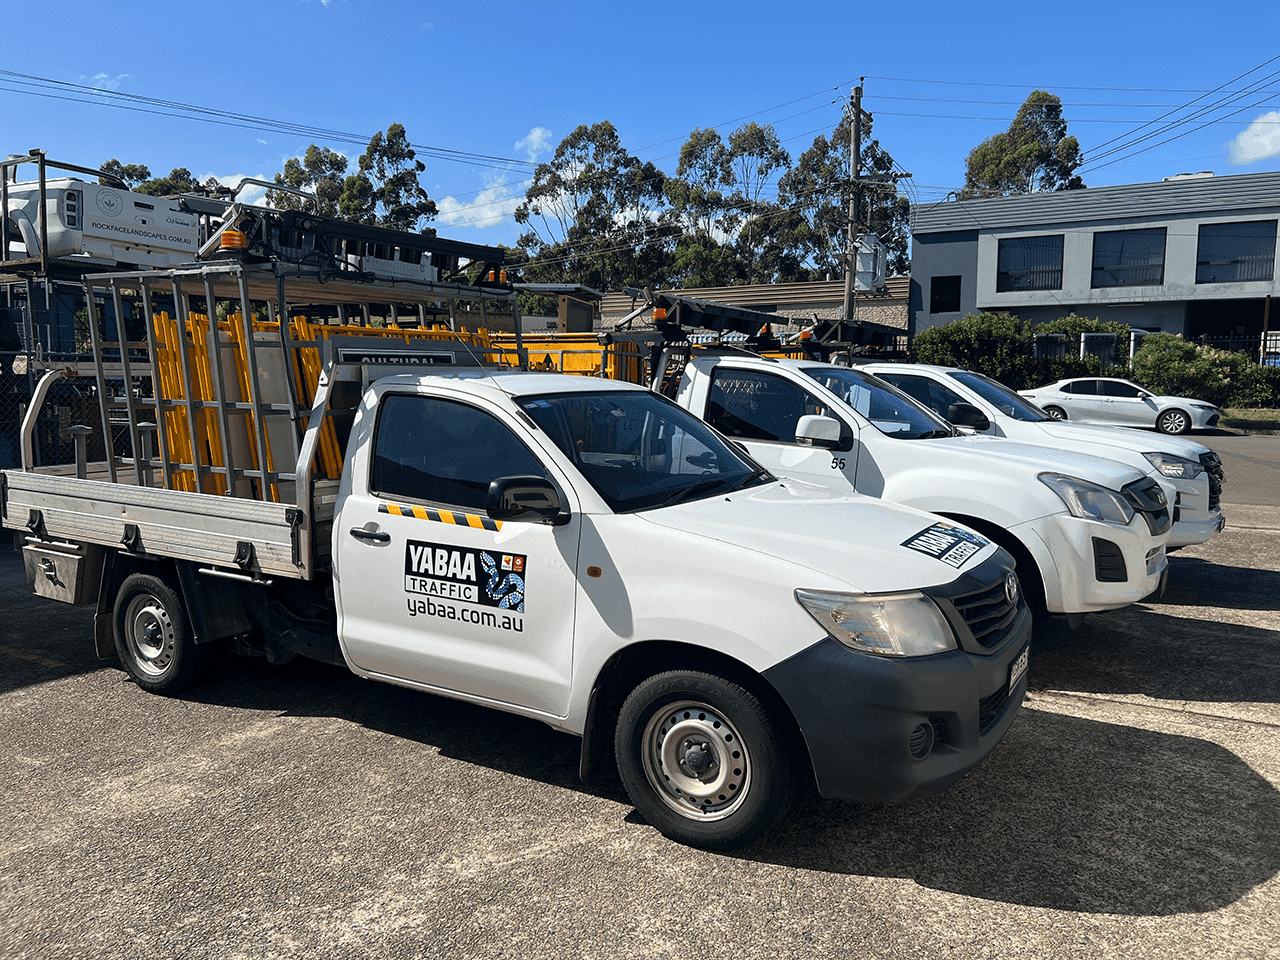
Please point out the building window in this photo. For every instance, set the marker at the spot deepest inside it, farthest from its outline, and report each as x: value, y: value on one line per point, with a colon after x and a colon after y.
x: 1029, y: 263
x: 1128, y: 258
x: 944, y: 295
x: 1236, y: 252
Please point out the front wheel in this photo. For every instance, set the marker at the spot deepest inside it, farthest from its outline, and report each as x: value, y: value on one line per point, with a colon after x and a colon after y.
x: 1173, y: 421
x: 152, y: 637
x: 702, y: 760
x: 1056, y: 412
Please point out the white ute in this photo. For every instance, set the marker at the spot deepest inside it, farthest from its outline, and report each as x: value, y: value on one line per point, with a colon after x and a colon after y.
x: 575, y: 550
x: 1192, y: 469
x: 1088, y: 533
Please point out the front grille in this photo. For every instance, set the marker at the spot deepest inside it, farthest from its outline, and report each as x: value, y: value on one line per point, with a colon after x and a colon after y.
x: 1213, y: 467
x: 988, y: 613
x: 1147, y: 497
x: 991, y: 709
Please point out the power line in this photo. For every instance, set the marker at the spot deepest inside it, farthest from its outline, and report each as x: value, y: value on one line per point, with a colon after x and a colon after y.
x: 1185, y: 106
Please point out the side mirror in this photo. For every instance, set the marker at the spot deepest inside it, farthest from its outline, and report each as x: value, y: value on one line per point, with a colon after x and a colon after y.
x: 967, y: 415
x: 524, y: 498
x: 814, y: 431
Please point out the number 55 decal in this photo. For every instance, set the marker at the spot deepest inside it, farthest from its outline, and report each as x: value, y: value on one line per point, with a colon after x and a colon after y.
x: 837, y: 463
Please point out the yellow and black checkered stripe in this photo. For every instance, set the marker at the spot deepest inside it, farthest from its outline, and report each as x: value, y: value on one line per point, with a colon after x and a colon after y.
x: 441, y: 516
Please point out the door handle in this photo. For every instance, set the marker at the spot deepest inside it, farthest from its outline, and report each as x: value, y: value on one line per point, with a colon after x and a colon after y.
x: 377, y: 536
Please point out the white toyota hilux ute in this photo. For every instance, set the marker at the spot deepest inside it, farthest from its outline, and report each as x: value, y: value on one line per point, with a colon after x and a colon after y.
x: 1192, y: 469
x: 1088, y: 533
x: 582, y: 552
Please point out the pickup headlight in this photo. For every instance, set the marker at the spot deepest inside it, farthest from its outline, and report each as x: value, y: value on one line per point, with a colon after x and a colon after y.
x: 1179, y: 468
x: 1089, y: 501
x: 889, y: 625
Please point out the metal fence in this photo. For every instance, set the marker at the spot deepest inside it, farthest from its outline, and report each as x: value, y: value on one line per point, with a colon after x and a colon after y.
x: 72, y: 401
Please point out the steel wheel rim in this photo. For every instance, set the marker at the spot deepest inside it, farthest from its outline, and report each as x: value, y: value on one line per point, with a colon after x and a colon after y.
x: 1173, y: 422
x: 696, y: 761
x: 149, y: 634
x: 1057, y: 413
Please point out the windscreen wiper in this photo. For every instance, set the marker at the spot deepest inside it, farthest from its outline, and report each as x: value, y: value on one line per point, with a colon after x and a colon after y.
x: 690, y: 491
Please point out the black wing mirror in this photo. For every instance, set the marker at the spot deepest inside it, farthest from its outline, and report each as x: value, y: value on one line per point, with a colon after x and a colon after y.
x: 967, y: 415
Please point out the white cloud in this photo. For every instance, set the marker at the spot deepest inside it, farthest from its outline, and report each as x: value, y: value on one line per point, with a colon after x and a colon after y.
x: 1260, y: 140
x: 492, y: 206
x: 103, y: 81
x: 538, y: 141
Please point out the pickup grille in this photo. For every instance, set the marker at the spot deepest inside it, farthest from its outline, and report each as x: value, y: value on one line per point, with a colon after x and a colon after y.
x: 1148, y: 499
x: 1213, y: 467
x: 988, y: 613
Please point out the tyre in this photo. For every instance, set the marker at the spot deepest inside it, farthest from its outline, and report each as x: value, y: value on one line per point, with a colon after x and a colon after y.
x: 152, y: 637
x: 702, y: 759
x: 1056, y: 412
x: 1173, y: 421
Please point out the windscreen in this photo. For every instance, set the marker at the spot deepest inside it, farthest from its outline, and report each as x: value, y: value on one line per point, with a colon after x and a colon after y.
x: 640, y: 451
x: 888, y: 409
x: 1001, y: 397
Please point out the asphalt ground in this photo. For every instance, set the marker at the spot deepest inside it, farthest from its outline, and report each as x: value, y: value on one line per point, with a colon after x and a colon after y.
x: 1132, y: 811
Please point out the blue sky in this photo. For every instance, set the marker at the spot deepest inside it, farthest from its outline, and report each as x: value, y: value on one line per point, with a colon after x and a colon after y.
x: 508, y: 79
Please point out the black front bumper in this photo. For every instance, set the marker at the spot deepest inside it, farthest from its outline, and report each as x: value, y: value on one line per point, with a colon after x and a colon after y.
x: 862, y: 716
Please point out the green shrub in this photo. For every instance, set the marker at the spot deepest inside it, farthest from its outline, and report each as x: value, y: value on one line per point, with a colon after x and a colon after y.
x: 1167, y: 364
x: 1003, y: 347
x: 1256, y: 387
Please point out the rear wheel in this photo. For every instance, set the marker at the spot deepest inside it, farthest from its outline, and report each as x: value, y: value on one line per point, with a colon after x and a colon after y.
x: 152, y: 637
x: 1056, y: 412
x: 703, y: 760
x: 1173, y: 421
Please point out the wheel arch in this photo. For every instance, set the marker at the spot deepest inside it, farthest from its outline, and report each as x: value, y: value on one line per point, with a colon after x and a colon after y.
x: 215, y: 609
x: 632, y: 664
x: 1186, y: 420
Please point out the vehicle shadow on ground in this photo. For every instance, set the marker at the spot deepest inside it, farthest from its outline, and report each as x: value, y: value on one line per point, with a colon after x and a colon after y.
x: 1194, y: 581
x: 454, y: 729
x: 1139, y: 650
x: 1068, y: 814
x: 40, y: 639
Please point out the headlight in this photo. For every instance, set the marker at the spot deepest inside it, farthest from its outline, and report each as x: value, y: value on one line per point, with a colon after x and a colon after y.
x: 1180, y: 468
x: 1089, y: 501
x: 1205, y: 406
x: 890, y: 625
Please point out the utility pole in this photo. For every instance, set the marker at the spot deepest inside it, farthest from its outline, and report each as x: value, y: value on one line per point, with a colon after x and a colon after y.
x: 855, y: 173
x: 856, y: 180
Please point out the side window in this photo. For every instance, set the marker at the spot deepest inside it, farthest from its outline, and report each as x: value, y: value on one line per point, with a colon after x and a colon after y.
x: 446, y: 452
x: 1088, y: 388
x: 758, y: 406
x: 1113, y: 388
x: 933, y: 395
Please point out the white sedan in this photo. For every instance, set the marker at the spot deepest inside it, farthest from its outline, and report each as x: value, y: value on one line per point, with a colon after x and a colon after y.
x: 1121, y: 403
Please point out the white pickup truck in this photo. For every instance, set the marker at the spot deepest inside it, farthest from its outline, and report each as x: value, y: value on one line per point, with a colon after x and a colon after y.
x: 578, y: 551
x: 1088, y: 533
x: 973, y: 401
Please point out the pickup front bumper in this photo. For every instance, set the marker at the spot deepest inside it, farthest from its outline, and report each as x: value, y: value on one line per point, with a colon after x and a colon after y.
x: 888, y: 729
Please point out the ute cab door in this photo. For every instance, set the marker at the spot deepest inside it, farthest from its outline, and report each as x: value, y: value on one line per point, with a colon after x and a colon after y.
x: 431, y: 590
x: 762, y: 410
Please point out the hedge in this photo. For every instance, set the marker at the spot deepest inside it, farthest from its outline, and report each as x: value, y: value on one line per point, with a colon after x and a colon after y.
x: 1003, y: 347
